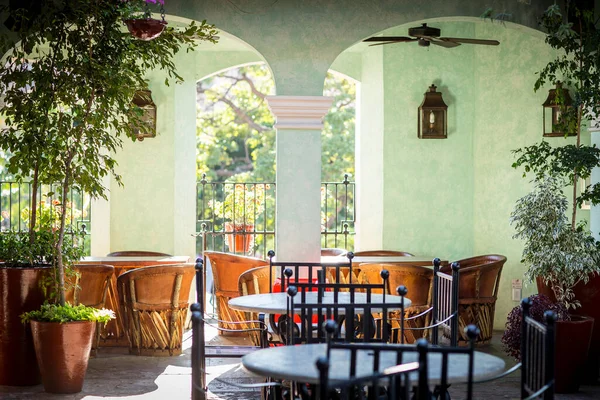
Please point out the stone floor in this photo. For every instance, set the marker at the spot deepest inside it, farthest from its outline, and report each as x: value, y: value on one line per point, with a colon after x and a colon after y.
x: 115, y: 374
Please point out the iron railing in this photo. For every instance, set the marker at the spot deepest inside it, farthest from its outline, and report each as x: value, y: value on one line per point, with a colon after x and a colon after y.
x: 253, y: 232
x: 15, y: 201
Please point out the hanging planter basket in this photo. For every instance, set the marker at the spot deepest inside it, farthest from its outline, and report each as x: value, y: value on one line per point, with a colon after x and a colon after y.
x: 145, y: 28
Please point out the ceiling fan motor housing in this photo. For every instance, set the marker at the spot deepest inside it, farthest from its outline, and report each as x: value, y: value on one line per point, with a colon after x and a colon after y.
x: 424, y: 30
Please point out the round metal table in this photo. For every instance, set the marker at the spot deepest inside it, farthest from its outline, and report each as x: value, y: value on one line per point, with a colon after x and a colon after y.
x: 297, y: 363
x: 276, y: 303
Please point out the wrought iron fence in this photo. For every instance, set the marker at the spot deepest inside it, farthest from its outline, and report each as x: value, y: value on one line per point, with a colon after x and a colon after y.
x: 15, y: 201
x: 240, y: 217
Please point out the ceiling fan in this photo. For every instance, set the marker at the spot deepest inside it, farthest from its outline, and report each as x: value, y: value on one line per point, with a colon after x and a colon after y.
x: 425, y: 35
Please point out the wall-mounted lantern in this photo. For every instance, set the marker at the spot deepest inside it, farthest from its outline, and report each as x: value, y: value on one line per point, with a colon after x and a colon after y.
x: 143, y: 99
x: 432, y: 121
x: 554, y: 107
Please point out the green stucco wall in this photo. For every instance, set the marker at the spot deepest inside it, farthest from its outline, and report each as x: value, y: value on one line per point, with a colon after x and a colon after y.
x: 452, y: 198
x: 449, y: 198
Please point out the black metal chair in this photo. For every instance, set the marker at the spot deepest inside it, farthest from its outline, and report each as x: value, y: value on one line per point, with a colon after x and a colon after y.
x: 444, y: 308
x: 355, y: 316
x: 537, y: 356
x: 306, y: 272
x: 391, y: 383
x: 200, y: 351
x: 354, y: 387
x: 423, y: 348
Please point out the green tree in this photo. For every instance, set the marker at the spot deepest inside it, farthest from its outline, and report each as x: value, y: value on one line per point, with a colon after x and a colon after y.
x: 68, y: 83
x: 236, y: 138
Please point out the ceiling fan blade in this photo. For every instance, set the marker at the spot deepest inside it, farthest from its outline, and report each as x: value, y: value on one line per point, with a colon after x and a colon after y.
x: 470, y: 41
x: 443, y: 43
x: 382, y: 43
x: 392, y: 39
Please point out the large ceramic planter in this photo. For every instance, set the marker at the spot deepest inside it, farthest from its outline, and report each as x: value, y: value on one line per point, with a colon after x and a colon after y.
x: 19, y: 292
x: 573, y: 340
x: 63, y: 352
x: 239, y: 242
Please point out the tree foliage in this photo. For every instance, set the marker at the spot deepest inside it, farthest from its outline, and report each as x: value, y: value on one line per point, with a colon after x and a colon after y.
x: 68, y: 82
x: 236, y: 138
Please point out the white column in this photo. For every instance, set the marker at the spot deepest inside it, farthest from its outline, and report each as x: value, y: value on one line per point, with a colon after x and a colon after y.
x: 369, y: 153
x: 100, y: 229
x: 298, y: 183
x: 595, y: 178
x: 184, y: 172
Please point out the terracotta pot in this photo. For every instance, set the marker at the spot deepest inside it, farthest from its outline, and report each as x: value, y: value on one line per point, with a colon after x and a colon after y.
x: 145, y: 28
x: 575, y: 356
x: 20, y: 292
x: 63, y: 352
x: 239, y: 243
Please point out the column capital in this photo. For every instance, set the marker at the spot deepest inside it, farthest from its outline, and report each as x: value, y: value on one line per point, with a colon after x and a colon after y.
x: 299, y: 112
x: 594, y: 125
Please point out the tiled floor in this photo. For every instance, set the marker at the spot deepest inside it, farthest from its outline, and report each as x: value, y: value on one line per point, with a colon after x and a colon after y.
x: 114, y: 374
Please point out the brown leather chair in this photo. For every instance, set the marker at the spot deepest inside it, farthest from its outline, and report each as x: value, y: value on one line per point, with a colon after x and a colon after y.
x: 226, y: 269
x: 137, y: 253
x: 89, y: 287
x: 253, y: 281
x: 154, y: 304
x: 382, y: 253
x: 477, y: 294
x: 333, y: 252
x: 418, y: 281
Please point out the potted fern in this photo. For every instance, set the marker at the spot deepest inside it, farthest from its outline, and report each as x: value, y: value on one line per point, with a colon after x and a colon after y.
x: 68, y: 85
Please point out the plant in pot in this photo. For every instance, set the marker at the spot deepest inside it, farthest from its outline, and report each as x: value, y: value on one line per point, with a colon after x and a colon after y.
x: 68, y: 82
x: 561, y: 253
x: 560, y: 256
x: 243, y: 204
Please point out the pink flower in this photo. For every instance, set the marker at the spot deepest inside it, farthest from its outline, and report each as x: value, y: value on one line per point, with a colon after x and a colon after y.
x: 155, y: 1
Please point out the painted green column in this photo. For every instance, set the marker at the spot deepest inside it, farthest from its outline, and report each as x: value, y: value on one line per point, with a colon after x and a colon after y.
x: 298, y: 182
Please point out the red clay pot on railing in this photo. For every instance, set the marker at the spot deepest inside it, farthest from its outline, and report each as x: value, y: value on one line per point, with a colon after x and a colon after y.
x: 239, y: 242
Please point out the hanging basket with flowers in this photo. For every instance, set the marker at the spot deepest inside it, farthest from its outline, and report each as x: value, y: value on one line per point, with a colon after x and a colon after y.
x: 143, y: 26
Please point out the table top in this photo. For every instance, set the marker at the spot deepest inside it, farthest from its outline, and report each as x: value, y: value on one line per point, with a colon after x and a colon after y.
x: 135, y: 260
x: 297, y: 363
x: 276, y: 303
x: 424, y: 261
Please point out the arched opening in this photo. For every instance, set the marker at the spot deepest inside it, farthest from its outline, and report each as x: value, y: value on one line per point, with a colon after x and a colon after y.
x: 236, y: 168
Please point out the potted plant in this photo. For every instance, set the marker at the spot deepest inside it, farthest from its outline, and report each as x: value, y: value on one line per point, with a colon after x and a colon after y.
x: 68, y: 85
x: 242, y: 205
x: 141, y: 24
x: 511, y: 338
x: 575, y: 35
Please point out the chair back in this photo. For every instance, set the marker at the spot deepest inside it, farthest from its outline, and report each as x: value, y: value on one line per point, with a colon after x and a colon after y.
x: 445, y: 302
x: 418, y: 280
x: 480, y: 276
x: 90, y: 285
x: 154, y: 303
x: 137, y: 253
x: 355, y: 316
x: 255, y: 281
x: 424, y: 349
x: 382, y: 253
x: 306, y: 272
x: 537, y: 354
x: 226, y: 269
x: 391, y: 383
